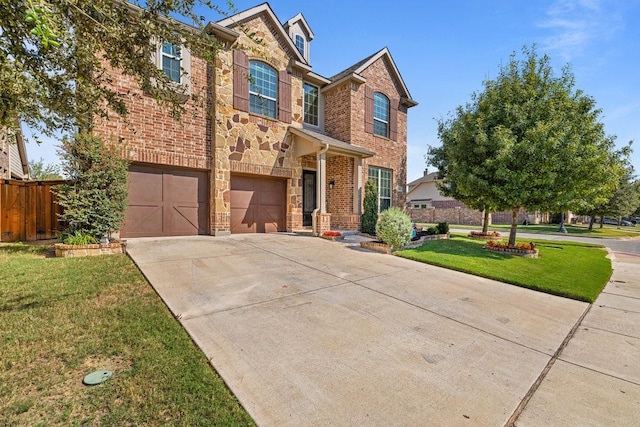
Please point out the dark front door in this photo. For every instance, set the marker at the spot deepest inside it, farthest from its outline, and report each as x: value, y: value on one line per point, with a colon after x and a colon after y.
x: 308, y: 196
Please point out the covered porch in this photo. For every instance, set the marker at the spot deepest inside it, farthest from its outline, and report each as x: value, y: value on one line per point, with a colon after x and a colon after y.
x: 332, y: 180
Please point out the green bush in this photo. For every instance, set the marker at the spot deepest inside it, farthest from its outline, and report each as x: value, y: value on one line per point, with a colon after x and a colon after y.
x: 431, y: 231
x: 442, y: 228
x: 77, y: 237
x: 95, y: 200
x: 394, y: 228
x: 370, y: 213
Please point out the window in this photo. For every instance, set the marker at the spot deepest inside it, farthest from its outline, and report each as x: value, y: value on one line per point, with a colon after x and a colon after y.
x: 382, y: 178
x: 380, y: 115
x: 263, y: 89
x: 310, y: 104
x: 171, y: 57
x: 300, y: 44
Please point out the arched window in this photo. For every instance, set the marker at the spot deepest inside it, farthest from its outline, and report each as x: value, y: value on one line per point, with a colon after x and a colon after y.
x: 263, y: 89
x: 380, y: 114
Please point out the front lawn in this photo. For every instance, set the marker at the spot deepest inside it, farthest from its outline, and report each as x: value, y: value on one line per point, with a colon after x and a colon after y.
x: 569, y: 269
x: 63, y: 318
x: 580, y: 230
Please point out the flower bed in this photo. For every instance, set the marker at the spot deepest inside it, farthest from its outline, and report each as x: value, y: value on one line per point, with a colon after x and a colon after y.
x: 332, y: 235
x: 490, y: 235
x: 67, y: 251
x: 526, y: 250
x: 382, y: 247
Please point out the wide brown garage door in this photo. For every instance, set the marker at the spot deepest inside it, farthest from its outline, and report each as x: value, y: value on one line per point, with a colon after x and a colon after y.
x: 166, y: 202
x: 258, y: 204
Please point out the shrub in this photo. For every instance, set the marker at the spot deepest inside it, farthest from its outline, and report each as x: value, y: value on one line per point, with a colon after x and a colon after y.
x: 394, y: 228
x: 370, y: 213
x: 77, y: 237
x: 442, y: 228
x: 95, y: 200
x: 431, y: 231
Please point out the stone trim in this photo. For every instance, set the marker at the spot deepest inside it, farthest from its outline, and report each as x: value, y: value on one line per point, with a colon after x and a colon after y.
x: 253, y: 169
x: 74, y: 251
x: 525, y: 253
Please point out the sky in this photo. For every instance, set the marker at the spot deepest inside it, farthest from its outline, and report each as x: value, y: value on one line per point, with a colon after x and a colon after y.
x: 444, y: 51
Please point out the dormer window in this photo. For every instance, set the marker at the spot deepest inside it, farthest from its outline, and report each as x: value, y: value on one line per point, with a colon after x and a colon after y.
x: 299, y: 40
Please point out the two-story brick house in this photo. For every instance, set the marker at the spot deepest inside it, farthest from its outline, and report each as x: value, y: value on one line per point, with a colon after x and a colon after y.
x: 284, y: 148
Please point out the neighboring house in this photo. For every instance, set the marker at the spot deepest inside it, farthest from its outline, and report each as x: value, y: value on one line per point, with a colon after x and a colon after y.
x: 285, y: 148
x: 13, y: 155
x: 423, y: 192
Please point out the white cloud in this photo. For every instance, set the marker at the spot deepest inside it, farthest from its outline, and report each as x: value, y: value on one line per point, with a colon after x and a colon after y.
x: 575, y: 25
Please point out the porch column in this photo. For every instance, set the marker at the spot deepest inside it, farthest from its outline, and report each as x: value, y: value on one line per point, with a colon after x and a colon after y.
x: 321, y: 182
x: 357, y: 185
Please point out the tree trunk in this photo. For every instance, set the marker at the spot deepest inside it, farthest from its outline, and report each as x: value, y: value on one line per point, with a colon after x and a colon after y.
x: 514, y: 227
x: 485, y: 221
x: 601, y: 221
x: 592, y: 219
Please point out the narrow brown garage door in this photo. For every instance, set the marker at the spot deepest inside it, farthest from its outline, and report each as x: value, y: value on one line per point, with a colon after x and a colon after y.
x: 258, y: 204
x: 166, y: 202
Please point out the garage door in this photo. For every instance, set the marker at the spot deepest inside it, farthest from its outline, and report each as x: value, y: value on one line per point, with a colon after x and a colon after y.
x: 258, y: 204
x: 166, y: 202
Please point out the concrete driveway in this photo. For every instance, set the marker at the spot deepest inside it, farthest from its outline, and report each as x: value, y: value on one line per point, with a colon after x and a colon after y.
x: 307, y: 331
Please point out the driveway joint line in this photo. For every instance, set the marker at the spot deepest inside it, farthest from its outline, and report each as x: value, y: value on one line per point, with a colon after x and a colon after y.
x: 455, y: 320
x: 536, y: 384
x: 267, y: 301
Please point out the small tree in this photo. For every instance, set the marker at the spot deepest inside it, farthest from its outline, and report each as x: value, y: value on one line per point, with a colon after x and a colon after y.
x: 370, y: 214
x: 394, y: 228
x: 39, y: 171
x: 95, y: 201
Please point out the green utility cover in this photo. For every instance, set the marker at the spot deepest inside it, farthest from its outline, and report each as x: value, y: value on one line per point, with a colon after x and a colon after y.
x: 96, y: 377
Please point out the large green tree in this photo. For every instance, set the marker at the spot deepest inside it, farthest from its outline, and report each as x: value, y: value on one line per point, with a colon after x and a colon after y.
x: 529, y: 139
x: 55, y: 56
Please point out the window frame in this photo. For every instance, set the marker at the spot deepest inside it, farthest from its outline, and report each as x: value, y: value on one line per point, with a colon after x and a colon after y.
x: 185, y: 65
x: 174, y: 56
x: 378, y: 120
x: 301, y: 47
x: 377, y: 176
x: 317, y: 105
x: 253, y: 109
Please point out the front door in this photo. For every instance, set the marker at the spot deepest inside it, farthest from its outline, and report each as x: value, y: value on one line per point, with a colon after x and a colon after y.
x: 308, y: 196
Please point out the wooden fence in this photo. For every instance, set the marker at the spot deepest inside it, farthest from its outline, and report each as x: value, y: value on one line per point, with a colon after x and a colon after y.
x: 29, y: 210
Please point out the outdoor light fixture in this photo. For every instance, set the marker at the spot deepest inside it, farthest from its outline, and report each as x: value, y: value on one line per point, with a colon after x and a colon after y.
x: 331, y: 184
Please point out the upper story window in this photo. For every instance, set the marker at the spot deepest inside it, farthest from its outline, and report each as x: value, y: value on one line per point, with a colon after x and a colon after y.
x: 311, y: 104
x: 171, y: 58
x: 263, y: 89
x: 380, y: 115
x: 300, y: 44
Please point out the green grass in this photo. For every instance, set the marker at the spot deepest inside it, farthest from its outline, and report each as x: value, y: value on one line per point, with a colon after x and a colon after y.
x: 64, y: 318
x: 569, y: 269
x: 578, y: 230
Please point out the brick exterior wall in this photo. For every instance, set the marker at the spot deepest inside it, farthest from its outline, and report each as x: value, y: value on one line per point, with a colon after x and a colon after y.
x: 151, y: 135
x: 344, y: 119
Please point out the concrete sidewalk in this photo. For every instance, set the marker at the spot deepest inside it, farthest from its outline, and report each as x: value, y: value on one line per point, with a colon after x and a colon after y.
x: 596, y: 379
x: 307, y: 331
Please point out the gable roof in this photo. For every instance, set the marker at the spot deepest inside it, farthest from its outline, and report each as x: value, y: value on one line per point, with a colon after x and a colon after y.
x: 430, y: 177
x: 303, y: 22
x: 356, y: 70
x: 264, y: 8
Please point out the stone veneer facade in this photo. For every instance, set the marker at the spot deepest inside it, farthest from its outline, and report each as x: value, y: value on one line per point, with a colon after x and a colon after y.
x: 231, y: 141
